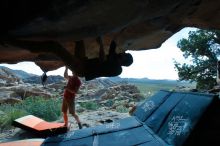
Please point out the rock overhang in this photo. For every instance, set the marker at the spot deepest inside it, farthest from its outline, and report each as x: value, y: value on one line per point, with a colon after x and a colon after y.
x: 134, y: 25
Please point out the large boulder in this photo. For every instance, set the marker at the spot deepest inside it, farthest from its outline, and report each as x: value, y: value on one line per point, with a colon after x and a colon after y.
x: 23, y: 91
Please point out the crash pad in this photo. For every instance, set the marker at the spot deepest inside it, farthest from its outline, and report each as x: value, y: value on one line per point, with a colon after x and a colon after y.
x: 173, y: 115
x: 39, y: 126
x: 164, y: 119
x: 125, y: 132
x: 28, y: 142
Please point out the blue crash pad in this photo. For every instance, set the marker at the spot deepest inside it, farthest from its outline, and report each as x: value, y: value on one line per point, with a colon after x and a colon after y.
x: 173, y: 115
x: 122, y: 132
x: 166, y: 118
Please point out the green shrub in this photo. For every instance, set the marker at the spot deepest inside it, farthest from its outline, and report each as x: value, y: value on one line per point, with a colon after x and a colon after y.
x: 122, y: 109
x: 10, y: 114
x: 47, y: 109
x: 90, y: 105
x: 4, y: 122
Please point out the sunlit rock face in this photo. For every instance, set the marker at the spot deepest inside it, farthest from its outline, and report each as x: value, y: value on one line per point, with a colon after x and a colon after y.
x: 133, y: 24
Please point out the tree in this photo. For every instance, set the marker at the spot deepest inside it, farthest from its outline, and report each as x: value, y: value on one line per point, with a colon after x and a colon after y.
x: 202, y: 48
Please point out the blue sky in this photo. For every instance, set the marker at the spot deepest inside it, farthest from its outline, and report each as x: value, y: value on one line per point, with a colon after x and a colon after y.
x: 153, y: 63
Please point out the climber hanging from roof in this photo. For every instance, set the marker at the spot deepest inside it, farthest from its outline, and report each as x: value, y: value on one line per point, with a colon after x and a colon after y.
x: 111, y: 66
x: 84, y: 67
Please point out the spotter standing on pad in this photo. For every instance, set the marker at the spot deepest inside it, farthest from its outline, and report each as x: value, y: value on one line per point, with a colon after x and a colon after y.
x: 70, y: 91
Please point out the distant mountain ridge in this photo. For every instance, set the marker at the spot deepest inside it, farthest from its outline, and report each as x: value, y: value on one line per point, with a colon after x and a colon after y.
x: 32, y: 78
x: 28, y: 77
x: 148, y: 81
x: 18, y: 73
x: 22, y: 74
x: 119, y: 79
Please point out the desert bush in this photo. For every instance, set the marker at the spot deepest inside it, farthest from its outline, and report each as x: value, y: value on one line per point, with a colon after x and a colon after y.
x: 122, y: 109
x: 9, y: 115
x: 90, y: 105
x: 47, y: 109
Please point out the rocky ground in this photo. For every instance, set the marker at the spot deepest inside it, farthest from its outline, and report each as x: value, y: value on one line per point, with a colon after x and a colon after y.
x: 88, y: 118
x: 113, y: 101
